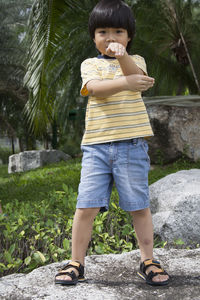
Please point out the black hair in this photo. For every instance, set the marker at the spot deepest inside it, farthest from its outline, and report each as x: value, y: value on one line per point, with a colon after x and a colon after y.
x: 112, y: 13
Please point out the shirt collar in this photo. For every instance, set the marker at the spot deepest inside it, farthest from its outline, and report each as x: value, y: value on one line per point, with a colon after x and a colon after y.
x: 105, y: 57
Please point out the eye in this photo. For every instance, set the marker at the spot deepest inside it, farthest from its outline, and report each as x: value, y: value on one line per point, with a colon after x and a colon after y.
x: 119, y: 30
x: 102, y: 31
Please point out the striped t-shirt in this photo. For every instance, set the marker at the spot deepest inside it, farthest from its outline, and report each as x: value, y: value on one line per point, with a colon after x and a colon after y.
x: 118, y: 117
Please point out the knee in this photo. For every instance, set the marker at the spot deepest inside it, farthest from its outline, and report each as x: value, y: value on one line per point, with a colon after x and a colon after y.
x: 87, y: 213
x: 141, y: 213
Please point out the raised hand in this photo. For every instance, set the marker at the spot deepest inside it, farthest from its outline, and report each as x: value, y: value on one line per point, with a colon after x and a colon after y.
x: 116, y: 50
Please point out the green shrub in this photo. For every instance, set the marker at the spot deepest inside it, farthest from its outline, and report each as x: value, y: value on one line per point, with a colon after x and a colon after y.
x: 4, y: 155
x: 33, y: 234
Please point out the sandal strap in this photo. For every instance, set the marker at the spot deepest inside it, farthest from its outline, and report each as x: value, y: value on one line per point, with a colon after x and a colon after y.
x: 71, y: 274
x: 73, y: 264
x: 153, y: 274
x: 150, y: 262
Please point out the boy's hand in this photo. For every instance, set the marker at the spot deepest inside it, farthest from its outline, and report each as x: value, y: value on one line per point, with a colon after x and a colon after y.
x: 116, y: 50
x: 140, y: 83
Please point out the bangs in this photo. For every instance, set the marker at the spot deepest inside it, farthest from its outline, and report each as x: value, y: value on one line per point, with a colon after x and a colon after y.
x: 112, y: 18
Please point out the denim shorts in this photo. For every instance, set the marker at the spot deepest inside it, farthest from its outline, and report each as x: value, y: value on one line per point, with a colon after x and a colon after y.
x: 126, y: 163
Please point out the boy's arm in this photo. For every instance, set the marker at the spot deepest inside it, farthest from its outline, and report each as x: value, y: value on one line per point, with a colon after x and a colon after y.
x: 126, y: 62
x: 134, y: 78
x: 106, y: 88
x: 128, y: 66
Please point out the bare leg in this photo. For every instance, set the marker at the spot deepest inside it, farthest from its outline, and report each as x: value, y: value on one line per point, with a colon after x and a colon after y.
x: 81, y: 235
x: 142, y: 222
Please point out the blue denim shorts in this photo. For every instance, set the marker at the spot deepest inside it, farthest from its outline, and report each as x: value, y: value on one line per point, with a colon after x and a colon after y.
x: 126, y: 163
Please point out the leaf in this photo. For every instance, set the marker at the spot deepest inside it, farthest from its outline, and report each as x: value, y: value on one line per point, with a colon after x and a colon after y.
x: 60, y: 251
x: 8, y: 257
x: 114, y: 205
x: 39, y: 257
x: 66, y: 244
x: 20, y: 222
x: 22, y: 233
x: 12, y: 249
x: 179, y: 242
x: 65, y: 188
x: 27, y: 260
x: 2, y: 266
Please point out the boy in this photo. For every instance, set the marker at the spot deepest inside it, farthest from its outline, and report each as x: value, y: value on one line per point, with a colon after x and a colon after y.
x: 114, y: 146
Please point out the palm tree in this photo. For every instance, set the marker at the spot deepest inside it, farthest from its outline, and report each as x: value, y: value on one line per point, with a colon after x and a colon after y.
x: 168, y: 37
x: 58, y: 43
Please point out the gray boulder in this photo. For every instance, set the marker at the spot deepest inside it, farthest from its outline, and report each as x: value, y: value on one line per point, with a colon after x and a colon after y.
x: 175, y: 206
x: 29, y: 160
x: 110, y: 277
x: 176, y: 132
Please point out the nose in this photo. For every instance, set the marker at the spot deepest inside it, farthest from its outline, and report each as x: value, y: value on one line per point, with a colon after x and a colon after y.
x: 110, y: 37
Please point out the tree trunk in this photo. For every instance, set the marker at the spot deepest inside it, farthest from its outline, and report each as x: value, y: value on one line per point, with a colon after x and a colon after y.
x: 54, y: 141
x: 13, y: 145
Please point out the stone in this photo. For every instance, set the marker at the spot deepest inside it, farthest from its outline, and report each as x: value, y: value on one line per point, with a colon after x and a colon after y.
x: 175, y: 206
x: 28, y: 160
x: 110, y: 277
x: 176, y: 132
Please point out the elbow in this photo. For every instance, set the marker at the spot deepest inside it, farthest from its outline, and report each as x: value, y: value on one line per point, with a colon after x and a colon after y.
x: 94, y: 92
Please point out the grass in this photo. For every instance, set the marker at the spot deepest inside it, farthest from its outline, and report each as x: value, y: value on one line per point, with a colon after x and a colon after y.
x: 36, y: 184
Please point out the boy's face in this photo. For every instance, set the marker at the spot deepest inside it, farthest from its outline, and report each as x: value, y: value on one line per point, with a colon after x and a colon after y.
x: 104, y: 36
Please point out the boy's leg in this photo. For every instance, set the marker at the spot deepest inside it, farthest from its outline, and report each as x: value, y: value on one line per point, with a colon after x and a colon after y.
x: 81, y: 235
x: 142, y: 222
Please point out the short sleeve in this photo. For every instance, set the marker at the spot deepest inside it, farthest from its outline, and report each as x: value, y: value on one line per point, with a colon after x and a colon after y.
x: 140, y: 62
x: 89, y: 71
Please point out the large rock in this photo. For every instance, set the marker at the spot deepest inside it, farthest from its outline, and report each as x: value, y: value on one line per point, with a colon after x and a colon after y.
x: 176, y: 132
x: 175, y: 205
x: 28, y: 160
x: 110, y: 277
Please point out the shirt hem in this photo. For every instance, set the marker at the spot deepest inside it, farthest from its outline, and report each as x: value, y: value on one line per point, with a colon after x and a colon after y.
x: 117, y: 140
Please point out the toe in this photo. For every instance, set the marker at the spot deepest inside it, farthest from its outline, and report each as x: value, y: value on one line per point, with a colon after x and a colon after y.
x: 160, y: 278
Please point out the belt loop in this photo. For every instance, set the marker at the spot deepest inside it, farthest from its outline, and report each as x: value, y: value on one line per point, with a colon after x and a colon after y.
x: 135, y: 141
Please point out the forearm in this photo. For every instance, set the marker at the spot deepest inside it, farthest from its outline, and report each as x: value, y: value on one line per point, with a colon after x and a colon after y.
x: 128, y: 66
x: 106, y: 88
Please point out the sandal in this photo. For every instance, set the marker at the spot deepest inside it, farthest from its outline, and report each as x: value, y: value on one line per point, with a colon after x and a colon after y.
x: 148, y: 278
x: 76, y: 265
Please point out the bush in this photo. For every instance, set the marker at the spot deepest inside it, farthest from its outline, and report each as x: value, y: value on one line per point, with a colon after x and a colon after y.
x: 34, y: 234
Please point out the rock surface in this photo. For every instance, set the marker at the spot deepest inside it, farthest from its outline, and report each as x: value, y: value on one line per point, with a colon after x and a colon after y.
x: 175, y: 206
x: 28, y: 160
x: 176, y: 131
x: 110, y: 277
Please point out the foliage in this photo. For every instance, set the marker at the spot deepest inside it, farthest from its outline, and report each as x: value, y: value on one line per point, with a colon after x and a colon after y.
x: 13, y: 96
x: 39, y: 207
x: 33, y: 235
x: 163, y: 38
x: 55, y: 55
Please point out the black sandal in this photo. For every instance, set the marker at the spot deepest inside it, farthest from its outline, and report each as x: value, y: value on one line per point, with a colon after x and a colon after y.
x: 148, y: 278
x: 76, y: 265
